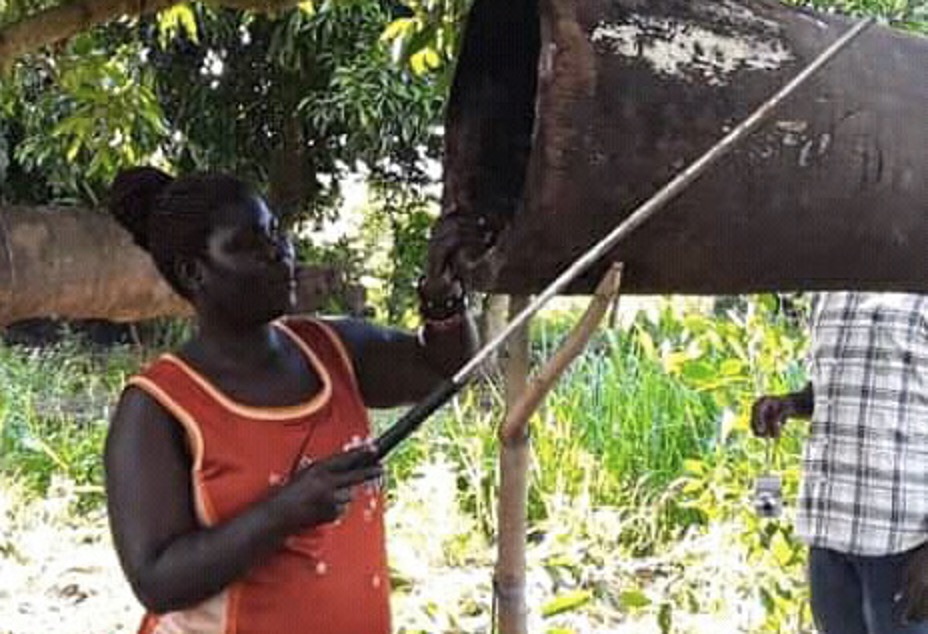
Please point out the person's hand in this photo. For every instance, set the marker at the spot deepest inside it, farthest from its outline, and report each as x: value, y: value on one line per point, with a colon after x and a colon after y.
x: 321, y: 492
x: 457, y: 239
x: 769, y: 414
x: 440, y: 296
x: 912, y: 603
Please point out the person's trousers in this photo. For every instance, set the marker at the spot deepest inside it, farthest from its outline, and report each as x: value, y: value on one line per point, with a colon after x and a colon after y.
x: 857, y: 595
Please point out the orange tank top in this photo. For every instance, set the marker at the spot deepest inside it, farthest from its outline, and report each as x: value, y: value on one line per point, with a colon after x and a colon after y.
x: 332, y: 579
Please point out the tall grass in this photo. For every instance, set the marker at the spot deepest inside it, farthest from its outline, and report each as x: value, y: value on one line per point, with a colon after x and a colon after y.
x: 624, y: 408
x: 54, y: 406
x: 626, y: 416
x: 629, y: 418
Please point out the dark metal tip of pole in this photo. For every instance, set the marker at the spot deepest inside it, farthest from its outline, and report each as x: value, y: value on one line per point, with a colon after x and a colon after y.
x: 411, y: 420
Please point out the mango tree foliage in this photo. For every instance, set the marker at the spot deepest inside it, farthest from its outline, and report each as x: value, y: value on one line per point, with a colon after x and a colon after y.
x: 73, y: 119
x: 30, y: 26
x: 288, y: 100
x: 297, y: 98
x: 428, y: 38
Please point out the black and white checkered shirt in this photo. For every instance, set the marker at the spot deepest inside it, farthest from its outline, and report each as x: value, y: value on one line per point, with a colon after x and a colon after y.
x: 865, y: 466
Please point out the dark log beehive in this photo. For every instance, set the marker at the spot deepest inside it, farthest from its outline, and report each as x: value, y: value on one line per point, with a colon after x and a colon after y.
x: 567, y: 114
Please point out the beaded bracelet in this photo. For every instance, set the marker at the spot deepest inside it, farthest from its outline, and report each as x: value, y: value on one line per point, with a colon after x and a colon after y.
x: 440, y: 310
x: 443, y: 325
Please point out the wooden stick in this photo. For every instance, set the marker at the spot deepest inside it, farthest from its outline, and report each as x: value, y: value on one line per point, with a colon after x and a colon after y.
x: 517, y: 418
x: 509, y: 576
x: 509, y: 588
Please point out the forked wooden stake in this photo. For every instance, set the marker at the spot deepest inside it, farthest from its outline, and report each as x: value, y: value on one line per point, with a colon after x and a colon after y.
x: 509, y: 577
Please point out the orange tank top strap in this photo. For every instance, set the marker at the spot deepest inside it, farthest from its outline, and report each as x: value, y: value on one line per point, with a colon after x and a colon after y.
x: 169, y: 386
x: 328, y: 345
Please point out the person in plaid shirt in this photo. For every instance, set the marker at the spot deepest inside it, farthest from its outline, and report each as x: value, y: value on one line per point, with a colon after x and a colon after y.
x: 863, y: 502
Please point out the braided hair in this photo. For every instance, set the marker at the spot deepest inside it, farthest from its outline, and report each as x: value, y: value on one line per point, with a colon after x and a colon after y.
x: 172, y: 218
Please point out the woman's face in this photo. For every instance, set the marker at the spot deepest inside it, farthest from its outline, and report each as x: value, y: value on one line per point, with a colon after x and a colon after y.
x: 248, y: 273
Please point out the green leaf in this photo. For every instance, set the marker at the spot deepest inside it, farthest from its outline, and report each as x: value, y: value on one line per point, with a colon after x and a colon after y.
x: 665, y: 618
x: 73, y: 149
x: 399, y: 28
x: 173, y: 19
x: 566, y: 602
x: 432, y: 59
x: 634, y: 600
x: 699, y: 372
x: 731, y: 367
x: 696, y: 323
x: 781, y: 549
x: 694, y: 467
x: 419, y: 62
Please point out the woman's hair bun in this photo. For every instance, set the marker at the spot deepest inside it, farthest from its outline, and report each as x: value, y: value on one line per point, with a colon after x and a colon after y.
x: 133, y: 196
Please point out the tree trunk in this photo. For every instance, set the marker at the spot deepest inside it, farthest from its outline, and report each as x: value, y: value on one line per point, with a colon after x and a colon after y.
x: 291, y: 177
x: 830, y: 194
x: 492, y: 321
x: 79, y: 264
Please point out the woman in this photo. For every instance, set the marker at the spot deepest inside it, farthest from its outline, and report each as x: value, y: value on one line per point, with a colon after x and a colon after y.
x: 242, y: 496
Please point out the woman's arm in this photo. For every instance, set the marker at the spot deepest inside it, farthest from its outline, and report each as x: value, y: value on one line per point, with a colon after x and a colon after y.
x: 395, y: 367
x: 170, y: 560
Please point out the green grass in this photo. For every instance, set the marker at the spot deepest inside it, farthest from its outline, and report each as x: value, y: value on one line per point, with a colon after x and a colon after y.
x: 54, y: 406
x: 621, y: 419
x: 622, y: 407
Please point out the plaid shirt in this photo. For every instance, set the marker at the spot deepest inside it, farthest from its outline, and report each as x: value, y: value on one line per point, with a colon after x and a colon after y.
x: 865, y: 463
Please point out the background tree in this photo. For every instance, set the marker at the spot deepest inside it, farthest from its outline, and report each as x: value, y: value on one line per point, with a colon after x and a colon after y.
x: 293, y: 101
x: 278, y: 99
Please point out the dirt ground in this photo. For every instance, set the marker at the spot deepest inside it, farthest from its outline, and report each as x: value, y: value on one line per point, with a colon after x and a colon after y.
x: 59, y: 573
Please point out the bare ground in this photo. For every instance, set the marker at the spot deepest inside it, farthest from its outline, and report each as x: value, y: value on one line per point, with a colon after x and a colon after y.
x: 59, y: 573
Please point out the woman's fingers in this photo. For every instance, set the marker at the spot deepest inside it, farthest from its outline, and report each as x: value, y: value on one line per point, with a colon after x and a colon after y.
x: 347, y: 479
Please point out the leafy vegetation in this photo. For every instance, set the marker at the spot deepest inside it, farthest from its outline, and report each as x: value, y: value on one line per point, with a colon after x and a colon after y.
x: 54, y: 407
x: 911, y: 15
x: 291, y: 101
x: 643, y: 470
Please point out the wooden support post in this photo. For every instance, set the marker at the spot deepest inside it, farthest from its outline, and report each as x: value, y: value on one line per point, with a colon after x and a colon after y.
x: 509, y: 577
x: 522, y: 399
x: 492, y: 321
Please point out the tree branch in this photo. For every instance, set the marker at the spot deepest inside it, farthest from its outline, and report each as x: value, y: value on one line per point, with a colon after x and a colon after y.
x: 74, y: 16
x: 514, y: 428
